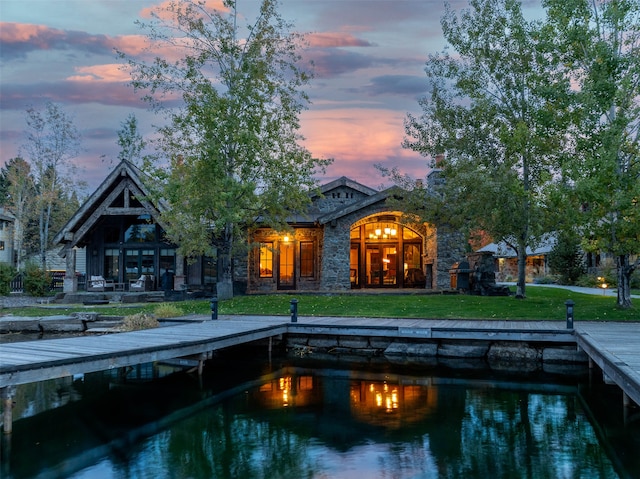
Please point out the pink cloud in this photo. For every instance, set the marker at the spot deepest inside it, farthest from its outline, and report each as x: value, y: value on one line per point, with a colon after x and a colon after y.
x: 161, y: 9
x: 358, y: 138
x: 109, y: 72
x: 334, y: 40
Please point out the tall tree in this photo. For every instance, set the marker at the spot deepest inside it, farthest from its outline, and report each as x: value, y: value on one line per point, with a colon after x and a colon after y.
x: 490, y: 113
x: 52, y: 142
x: 130, y: 141
x: 598, y: 42
x: 18, y: 199
x: 233, y: 147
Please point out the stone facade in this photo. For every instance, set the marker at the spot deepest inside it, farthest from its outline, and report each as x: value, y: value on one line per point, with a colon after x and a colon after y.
x: 344, y: 206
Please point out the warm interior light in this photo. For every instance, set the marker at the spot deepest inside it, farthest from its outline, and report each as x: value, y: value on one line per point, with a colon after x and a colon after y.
x: 378, y: 232
x: 387, y: 231
x: 286, y: 238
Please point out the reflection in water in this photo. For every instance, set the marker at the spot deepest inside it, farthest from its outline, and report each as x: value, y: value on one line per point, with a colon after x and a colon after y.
x: 314, y: 423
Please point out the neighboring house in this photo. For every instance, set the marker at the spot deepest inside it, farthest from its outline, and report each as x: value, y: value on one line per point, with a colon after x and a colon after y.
x: 506, y: 260
x: 122, y: 232
x: 349, y: 238
x: 7, y: 220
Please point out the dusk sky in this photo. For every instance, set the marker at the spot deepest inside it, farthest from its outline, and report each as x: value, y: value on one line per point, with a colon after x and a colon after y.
x: 369, y: 57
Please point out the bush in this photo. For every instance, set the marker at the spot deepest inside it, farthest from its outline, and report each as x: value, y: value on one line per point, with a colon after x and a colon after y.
x: 36, y: 281
x: 139, y: 321
x: 167, y: 310
x: 7, y: 273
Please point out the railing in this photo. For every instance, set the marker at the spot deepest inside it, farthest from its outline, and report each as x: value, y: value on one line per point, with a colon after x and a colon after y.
x: 16, y: 285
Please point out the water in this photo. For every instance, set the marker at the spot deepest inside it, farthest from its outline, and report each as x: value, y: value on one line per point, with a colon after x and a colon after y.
x: 304, y: 419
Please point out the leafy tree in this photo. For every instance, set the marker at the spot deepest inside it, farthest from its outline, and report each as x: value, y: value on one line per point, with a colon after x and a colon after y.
x: 7, y: 273
x: 233, y: 148
x: 493, y: 112
x: 598, y: 42
x: 19, y: 194
x: 565, y: 258
x: 130, y: 141
x: 52, y: 142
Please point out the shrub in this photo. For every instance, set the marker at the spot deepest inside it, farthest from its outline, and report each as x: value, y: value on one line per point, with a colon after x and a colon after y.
x: 139, y: 321
x: 167, y: 310
x: 36, y: 281
x: 7, y: 273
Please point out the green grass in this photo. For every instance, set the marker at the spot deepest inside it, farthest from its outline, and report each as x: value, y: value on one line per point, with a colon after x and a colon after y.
x: 540, y: 304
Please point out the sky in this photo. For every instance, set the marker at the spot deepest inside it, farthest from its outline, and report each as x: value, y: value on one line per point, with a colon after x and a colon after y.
x: 369, y: 74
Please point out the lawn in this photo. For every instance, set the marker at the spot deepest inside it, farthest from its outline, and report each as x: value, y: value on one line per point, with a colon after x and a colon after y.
x: 540, y: 304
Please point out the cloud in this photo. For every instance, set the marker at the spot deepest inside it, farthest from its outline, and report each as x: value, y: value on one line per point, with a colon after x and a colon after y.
x: 17, y: 40
x: 397, y: 84
x: 19, y: 96
x: 162, y: 9
x: 335, y: 40
x: 332, y: 62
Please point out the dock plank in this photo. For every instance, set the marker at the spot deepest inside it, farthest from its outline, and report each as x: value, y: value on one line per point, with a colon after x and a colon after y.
x: 613, y: 346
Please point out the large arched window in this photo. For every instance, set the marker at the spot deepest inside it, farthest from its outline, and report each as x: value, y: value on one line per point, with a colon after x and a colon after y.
x: 385, y: 253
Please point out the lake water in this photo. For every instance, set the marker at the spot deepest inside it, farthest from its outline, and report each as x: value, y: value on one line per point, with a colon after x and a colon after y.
x: 305, y: 418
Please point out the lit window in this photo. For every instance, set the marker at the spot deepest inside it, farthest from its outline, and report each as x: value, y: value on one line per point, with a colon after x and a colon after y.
x: 1, y: 245
x: 266, y: 260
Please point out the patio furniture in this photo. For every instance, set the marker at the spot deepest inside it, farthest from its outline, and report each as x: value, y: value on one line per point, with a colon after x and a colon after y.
x: 98, y: 283
x: 143, y: 283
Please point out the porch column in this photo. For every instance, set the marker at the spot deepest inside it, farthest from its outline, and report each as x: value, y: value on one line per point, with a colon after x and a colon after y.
x: 70, y: 284
x: 178, y: 279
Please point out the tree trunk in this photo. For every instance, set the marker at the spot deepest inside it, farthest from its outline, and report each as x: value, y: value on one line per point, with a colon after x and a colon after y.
x: 522, y: 272
x: 224, y: 286
x: 624, y: 270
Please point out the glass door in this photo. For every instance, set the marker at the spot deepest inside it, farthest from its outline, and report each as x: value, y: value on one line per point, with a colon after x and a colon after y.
x: 381, y: 265
x: 354, y: 265
x: 286, y: 271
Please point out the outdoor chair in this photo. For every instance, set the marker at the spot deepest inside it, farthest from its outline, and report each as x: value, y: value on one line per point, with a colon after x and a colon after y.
x: 98, y: 283
x: 143, y: 283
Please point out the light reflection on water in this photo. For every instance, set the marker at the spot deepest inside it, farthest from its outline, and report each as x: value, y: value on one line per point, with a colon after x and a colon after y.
x: 313, y: 422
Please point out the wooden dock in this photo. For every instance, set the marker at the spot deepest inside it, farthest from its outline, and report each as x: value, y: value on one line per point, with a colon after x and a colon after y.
x: 614, y: 347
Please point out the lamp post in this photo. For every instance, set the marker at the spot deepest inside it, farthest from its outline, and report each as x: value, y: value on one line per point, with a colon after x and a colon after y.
x: 294, y: 310
x: 214, y: 308
x: 569, y: 304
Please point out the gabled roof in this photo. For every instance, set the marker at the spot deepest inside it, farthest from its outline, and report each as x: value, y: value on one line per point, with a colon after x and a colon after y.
x: 112, y: 197
x: 344, y: 181
x: 503, y: 250
x: 368, y: 201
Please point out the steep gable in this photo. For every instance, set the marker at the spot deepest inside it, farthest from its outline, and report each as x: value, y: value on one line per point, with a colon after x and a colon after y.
x: 122, y: 193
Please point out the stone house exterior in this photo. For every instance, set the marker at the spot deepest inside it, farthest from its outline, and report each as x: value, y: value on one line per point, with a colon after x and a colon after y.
x: 349, y: 238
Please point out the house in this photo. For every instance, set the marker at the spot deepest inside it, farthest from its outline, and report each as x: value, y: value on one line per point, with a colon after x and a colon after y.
x: 7, y: 221
x: 121, y: 229
x: 506, y: 259
x: 349, y: 238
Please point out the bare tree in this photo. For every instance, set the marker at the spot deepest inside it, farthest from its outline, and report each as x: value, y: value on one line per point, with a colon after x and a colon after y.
x: 52, y: 142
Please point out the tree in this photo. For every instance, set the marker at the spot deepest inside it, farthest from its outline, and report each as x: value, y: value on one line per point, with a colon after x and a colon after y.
x: 19, y: 194
x: 598, y: 42
x: 566, y: 259
x: 130, y: 141
x: 493, y: 112
x: 232, y: 149
x: 52, y: 141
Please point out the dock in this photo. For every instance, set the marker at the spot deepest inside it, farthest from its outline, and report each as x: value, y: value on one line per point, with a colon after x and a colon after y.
x: 612, y: 346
